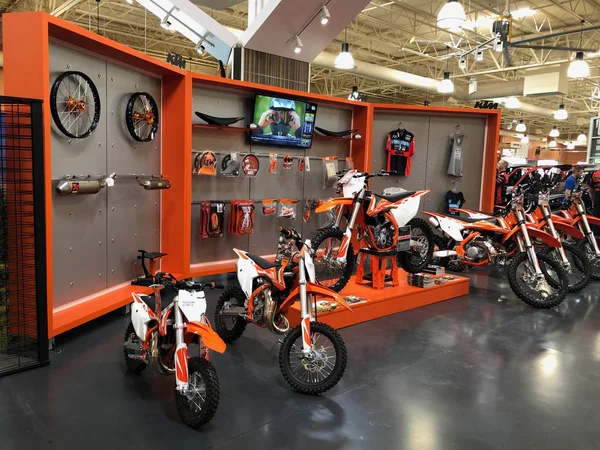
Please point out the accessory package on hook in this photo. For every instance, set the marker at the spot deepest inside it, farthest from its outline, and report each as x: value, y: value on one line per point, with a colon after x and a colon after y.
x: 141, y: 116
x: 75, y: 104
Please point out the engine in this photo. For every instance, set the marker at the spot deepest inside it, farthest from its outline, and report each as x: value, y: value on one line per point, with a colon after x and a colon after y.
x: 479, y: 250
x: 383, y: 234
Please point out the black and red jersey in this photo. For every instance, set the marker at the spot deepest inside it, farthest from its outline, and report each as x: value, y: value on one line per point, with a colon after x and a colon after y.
x: 501, y: 184
x: 400, y: 148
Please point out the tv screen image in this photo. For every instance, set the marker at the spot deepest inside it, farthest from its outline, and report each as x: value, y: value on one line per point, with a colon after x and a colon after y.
x: 283, y: 122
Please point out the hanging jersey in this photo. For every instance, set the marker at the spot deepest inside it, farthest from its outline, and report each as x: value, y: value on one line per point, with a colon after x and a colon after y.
x: 454, y: 201
x: 595, y: 185
x: 501, y: 184
x: 400, y: 148
x: 455, y: 166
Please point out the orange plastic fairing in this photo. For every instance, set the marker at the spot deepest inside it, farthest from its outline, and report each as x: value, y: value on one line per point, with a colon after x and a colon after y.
x: 312, y: 288
x: 208, y: 336
x: 570, y: 230
x: 334, y: 202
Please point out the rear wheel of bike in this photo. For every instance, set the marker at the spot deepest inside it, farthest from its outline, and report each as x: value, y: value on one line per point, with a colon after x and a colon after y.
x: 321, y: 370
x: 594, y: 262
x: 199, y: 404
x: 228, y: 327
x: 131, y: 340
x: 546, y: 292
x: 329, y: 271
x: 578, y: 275
x: 414, y: 261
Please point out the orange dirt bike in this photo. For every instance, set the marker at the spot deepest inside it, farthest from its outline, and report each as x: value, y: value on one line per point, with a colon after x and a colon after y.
x: 536, y: 279
x: 313, y: 356
x: 573, y: 260
x: 574, y: 214
x: 380, y: 222
x: 162, y: 334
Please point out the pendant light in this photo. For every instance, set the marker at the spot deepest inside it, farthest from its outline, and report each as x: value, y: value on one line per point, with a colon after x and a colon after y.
x: 452, y: 16
x: 552, y: 144
x: 446, y: 86
x: 354, y: 95
x: 582, y: 137
x: 344, y: 60
x: 579, y: 67
x: 554, y: 132
x: 525, y: 139
x: 561, y: 113
x: 512, y: 103
x: 570, y: 145
x: 521, y: 127
x: 298, y: 46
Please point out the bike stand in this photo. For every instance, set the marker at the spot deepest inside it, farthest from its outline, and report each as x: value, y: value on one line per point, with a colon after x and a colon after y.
x: 148, y: 278
x: 379, y: 261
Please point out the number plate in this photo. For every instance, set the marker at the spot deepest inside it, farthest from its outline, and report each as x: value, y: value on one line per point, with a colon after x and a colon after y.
x: 403, y: 244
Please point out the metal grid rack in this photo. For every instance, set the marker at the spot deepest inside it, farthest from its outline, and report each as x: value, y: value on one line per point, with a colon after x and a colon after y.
x: 23, y: 296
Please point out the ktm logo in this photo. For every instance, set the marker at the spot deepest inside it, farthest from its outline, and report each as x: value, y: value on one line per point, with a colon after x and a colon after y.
x: 486, y: 104
x: 176, y: 59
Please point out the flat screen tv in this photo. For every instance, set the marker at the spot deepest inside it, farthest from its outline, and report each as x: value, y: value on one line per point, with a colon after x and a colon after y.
x: 283, y: 122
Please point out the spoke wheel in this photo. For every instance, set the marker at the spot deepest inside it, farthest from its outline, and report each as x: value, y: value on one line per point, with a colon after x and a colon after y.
x: 198, y: 404
x: 230, y: 328
x: 132, y: 340
x: 578, y: 272
x: 322, y: 368
x: 330, y: 272
x: 593, y: 260
x: 141, y: 116
x: 75, y: 104
x: 415, y: 261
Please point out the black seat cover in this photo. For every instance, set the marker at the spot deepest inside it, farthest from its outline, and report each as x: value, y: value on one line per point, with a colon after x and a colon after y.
x: 470, y: 220
x: 395, y: 197
x: 222, y: 121
x: 166, y: 297
x: 261, y: 262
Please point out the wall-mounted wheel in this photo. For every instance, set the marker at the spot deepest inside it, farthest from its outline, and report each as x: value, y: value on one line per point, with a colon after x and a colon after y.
x: 75, y: 104
x: 141, y: 116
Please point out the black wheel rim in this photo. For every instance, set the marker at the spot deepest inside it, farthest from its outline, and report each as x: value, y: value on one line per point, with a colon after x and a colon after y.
x: 195, y: 395
x: 545, y: 288
x: 591, y: 256
x: 228, y: 321
x: 328, y: 270
x: 316, y: 367
x: 418, y: 256
x: 75, y: 104
x: 141, y: 116
x: 575, y: 272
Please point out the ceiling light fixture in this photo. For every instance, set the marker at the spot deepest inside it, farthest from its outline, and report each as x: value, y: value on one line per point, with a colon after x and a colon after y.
x: 354, y: 95
x: 462, y: 63
x: 554, y: 132
x: 298, y: 46
x: 522, y: 12
x: 570, y: 145
x: 521, y: 127
x: 579, y: 67
x: 561, y: 113
x: 479, y: 56
x: 552, y: 144
x: 344, y: 60
x: 582, y: 137
x: 325, y: 15
x: 525, y: 139
x: 446, y: 86
x: 452, y: 16
x: 512, y: 103
x: 165, y: 23
x: 199, y: 47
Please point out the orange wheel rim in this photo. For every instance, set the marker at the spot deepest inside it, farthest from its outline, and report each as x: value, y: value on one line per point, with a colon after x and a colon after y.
x: 81, y: 105
x: 148, y: 116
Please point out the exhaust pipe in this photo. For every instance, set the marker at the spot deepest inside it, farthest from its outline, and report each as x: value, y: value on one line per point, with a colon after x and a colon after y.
x: 269, y: 315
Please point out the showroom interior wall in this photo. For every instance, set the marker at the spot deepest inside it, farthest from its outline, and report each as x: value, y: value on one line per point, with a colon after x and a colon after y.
x: 35, y: 50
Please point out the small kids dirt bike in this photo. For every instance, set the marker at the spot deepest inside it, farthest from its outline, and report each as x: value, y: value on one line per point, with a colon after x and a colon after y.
x: 313, y: 355
x: 163, y: 335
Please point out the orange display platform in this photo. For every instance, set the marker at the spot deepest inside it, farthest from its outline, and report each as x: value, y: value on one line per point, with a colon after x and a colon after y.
x: 383, y: 302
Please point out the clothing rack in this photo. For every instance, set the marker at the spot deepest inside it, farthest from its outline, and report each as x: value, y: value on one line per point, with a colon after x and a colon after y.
x: 266, y: 155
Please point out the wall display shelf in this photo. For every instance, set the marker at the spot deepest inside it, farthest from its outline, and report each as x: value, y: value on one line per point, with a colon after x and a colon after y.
x: 166, y: 220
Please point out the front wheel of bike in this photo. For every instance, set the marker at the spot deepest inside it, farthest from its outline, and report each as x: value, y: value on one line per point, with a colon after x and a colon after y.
x: 545, y: 291
x: 199, y: 403
x: 414, y: 261
x: 594, y: 261
x: 322, y: 368
x: 578, y: 274
x: 132, y: 350
x: 329, y: 271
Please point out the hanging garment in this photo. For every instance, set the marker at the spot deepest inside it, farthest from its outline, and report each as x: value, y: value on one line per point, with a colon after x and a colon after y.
x: 454, y: 201
x: 455, y: 166
x: 400, y: 148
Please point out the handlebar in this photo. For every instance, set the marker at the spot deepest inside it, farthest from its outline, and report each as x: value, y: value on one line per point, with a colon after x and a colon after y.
x: 289, y: 234
x: 381, y: 173
x: 167, y: 279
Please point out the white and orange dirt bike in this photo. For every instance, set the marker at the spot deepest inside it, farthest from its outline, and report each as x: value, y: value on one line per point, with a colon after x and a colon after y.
x: 163, y: 334
x: 313, y: 356
x: 537, y: 279
x: 380, y: 222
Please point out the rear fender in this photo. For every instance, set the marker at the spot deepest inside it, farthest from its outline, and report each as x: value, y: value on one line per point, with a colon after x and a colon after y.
x: 333, y: 203
x: 211, y: 339
x: 313, y: 288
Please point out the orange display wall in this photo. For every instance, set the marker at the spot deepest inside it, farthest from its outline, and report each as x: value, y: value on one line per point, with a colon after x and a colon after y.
x: 28, y: 40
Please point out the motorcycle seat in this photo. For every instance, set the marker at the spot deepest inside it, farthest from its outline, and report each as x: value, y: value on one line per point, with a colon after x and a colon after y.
x: 166, y: 298
x: 395, y: 197
x: 469, y: 219
x: 262, y: 262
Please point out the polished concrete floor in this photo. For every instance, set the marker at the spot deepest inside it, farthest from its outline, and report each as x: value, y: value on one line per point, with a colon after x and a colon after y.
x: 479, y: 372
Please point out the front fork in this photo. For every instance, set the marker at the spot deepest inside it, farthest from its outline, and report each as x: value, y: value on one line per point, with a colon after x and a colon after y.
x: 585, y: 229
x: 305, y: 309
x: 350, y: 227
x: 548, y: 217
x: 525, y: 243
x: 181, y: 352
